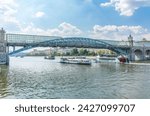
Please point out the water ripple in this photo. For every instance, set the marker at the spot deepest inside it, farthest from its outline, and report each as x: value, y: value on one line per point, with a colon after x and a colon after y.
x: 38, y: 78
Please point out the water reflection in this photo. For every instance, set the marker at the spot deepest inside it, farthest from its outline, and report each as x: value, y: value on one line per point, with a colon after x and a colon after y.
x: 3, y: 80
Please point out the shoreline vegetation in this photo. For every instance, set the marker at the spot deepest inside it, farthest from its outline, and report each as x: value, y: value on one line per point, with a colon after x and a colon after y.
x: 72, y: 52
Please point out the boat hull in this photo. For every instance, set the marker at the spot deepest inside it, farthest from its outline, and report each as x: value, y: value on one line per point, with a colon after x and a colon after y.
x: 75, y: 63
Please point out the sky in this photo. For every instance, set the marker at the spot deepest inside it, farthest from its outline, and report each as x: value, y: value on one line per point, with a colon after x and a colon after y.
x: 98, y: 19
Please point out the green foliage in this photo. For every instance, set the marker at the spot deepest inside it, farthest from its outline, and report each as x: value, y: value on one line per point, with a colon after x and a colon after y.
x: 74, y: 52
x: 83, y: 52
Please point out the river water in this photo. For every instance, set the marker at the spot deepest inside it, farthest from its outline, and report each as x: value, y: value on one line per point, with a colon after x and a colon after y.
x: 35, y: 77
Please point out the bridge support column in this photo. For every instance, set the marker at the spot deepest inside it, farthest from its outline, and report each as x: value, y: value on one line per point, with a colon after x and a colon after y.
x: 13, y: 48
x: 132, y: 55
x: 144, y: 53
x: 4, y: 58
x: 138, y: 54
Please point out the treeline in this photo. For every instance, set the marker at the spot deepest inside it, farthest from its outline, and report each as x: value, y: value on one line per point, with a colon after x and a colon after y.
x: 75, y: 52
x: 85, y: 52
x: 80, y: 52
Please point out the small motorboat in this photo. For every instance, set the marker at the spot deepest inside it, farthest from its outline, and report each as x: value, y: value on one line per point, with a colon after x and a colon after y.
x: 122, y: 59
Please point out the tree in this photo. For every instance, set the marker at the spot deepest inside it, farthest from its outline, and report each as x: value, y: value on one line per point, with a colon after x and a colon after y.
x: 92, y: 53
x: 100, y: 52
x: 67, y: 54
x: 83, y: 52
x: 74, y: 51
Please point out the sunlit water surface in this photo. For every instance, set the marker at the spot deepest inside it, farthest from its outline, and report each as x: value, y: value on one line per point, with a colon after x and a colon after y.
x: 35, y: 77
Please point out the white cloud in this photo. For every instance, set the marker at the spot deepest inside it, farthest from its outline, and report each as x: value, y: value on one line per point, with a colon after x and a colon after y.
x: 126, y: 7
x: 8, y: 11
x: 5, y: 1
x: 108, y: 32
x: 39, y: 14
x: 64, y: 29
x: 31, y: 29
x: 119, y: 32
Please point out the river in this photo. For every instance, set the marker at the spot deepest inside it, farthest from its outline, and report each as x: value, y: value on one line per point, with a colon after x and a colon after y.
x: 37, y: 78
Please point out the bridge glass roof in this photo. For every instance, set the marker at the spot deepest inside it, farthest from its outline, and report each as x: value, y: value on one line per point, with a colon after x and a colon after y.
x: 22, y: 38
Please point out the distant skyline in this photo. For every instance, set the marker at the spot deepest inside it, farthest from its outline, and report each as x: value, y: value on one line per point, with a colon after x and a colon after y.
x: 99, y: 19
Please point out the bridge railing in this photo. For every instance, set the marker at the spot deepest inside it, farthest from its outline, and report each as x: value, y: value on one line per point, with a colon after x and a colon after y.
x: 142, y: 44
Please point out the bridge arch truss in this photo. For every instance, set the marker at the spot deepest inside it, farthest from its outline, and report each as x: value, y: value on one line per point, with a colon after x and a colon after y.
x: 52, y: 41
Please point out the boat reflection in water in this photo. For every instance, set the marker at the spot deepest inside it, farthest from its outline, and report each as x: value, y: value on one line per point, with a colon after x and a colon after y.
x: 76, y: 60
x: 3, y: 81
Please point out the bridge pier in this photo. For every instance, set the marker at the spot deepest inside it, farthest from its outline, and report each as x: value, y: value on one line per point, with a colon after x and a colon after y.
x: 140, y: 53
x: 13, y: 48
x: 4, y: 58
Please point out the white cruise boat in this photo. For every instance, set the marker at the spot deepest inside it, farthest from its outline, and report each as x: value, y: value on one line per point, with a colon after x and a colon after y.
x: 103, y: 59
x: 77, y: 60
x: 119, y: 59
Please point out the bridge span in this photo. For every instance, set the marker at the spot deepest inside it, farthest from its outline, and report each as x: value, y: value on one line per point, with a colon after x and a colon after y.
x: 139, y: 50
x: 32, y: 41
